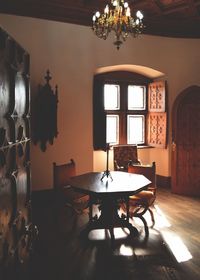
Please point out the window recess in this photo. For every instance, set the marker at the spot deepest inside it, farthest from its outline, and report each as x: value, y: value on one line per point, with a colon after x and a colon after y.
x: 129, y: 111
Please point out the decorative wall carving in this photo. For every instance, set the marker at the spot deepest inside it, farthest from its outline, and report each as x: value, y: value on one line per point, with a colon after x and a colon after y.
x: 45, y: 114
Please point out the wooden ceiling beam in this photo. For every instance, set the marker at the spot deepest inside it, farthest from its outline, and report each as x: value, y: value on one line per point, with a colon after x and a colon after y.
x: 188, y: 9
x: 155, y: 7
x: 192, y: 8
x: 159, y: 20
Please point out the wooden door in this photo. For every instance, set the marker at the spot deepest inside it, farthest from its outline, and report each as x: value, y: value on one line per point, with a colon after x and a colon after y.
x: 186, y: 143
x: 15, y: 191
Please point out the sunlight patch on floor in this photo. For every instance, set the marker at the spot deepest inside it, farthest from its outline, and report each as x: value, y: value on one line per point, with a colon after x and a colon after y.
x: 126, y: 251
x: 160, y: 218
x: 174, y: 242
x: 103, y: 234
x: 177, y: 247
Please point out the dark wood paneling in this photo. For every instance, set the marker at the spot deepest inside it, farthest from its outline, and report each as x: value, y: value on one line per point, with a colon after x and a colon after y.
x: 186, y: 139
x: 163, y: 181
x: 15, y: 189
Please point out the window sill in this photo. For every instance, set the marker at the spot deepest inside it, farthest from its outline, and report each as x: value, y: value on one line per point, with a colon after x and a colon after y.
x: 144, y: 147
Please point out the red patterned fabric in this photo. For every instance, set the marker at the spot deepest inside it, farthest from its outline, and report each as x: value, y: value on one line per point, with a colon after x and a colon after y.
x: 124, y: 155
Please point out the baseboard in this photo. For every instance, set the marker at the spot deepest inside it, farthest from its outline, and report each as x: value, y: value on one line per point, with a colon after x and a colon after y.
x: 163, y: 181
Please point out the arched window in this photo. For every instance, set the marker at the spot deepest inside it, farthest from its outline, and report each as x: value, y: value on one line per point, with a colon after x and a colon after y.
x: 128, y: 108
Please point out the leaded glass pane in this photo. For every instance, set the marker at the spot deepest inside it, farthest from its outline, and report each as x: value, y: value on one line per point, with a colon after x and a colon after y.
x: 111, y: 97
x: 135, y: 129
x: 136, y: 97
x: 112, y: 129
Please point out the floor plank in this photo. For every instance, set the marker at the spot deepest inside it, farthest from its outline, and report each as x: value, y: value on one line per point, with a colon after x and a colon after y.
x: 182, y: 212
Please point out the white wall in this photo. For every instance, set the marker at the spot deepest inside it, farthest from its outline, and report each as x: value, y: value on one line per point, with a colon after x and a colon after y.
x: 72, y: 54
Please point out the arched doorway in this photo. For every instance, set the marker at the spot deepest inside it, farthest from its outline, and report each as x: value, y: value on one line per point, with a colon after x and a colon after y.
x: 186, y: 142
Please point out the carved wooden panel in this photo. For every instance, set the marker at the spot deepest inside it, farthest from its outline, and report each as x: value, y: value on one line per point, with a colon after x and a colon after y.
x: 15, y: 210
x: 157, y: 123
x: 156, y: 96
x: 7, y: 131
x: 157, y: 116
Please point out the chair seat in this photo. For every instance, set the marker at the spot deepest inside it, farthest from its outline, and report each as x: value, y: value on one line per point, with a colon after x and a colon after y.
x: 74, y: 199
x: 146, y: 197
x: 70, y: 194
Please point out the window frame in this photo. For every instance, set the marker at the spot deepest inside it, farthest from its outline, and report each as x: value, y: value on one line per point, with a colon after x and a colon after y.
x: 123, y: 111
x: 153, y: 137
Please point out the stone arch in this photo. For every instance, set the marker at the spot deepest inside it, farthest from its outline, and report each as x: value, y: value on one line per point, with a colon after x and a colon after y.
x: 139, y: 69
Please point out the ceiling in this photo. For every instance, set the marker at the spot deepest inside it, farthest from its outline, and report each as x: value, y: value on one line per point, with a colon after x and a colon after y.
x: 173, y: 18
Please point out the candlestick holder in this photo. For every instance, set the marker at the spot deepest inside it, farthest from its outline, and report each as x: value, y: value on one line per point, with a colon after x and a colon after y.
x: 107, y: 173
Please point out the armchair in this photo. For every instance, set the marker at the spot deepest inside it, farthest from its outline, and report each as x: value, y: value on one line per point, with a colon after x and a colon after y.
x: 142, y: 202
x: 64, y: 194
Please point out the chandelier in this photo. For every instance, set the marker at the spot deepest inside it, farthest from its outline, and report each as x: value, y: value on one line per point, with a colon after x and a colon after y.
x: 117, y: 18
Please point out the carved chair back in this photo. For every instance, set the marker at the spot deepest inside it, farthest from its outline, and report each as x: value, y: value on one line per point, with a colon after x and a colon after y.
x: 124, y: 155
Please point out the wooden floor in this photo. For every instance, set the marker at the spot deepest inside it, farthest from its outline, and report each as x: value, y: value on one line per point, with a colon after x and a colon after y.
x: 183, y: 215
x: 60, y: 253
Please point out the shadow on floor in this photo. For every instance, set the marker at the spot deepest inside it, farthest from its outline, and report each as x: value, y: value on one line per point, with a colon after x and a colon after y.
x: 61, y: 254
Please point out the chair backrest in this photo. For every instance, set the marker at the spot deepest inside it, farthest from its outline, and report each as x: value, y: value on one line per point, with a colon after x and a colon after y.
x: 123, y: 155
x: 149, y: 171
x: 62, y: 173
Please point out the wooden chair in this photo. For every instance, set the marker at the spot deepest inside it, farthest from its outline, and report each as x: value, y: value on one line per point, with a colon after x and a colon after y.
x: 64, y: 194
x: 142, y: 202
x: 123, y: 156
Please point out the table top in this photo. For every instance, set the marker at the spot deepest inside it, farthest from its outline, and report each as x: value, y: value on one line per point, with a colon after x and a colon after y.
x: 121, y: 183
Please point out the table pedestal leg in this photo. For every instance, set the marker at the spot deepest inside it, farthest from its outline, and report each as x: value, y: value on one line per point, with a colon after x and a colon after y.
x: 109, y: 218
